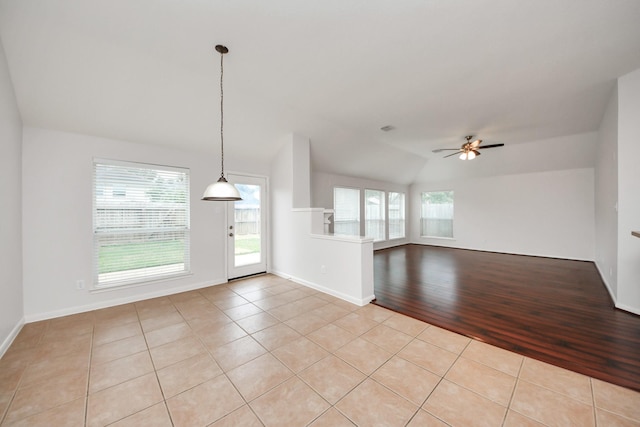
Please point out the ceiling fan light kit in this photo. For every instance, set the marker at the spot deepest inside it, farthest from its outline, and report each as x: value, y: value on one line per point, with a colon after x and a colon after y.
x: 221, y: 190
x: 468, y: 156
x: 468, y: 150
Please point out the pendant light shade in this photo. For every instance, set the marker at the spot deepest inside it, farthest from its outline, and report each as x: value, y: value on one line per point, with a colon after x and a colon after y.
x: 221, y: 190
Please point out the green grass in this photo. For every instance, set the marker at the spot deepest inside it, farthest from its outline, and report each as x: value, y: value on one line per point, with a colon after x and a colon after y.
x: 140, y: 255
x: 152, y: 254
x: 247, y: 244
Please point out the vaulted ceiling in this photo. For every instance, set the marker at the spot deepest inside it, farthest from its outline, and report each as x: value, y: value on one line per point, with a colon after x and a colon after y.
x: 512, y: 72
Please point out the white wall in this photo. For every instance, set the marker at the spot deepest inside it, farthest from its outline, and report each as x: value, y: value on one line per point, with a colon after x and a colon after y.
x: 57, y: 221
x: 606, y: 196
x: 301, y: 172
x: 281, y: 185
x: 11, y: 305
x: 545, y: 214
x: 322, y: 185
x: 341, y: 267
x: 628, y: 192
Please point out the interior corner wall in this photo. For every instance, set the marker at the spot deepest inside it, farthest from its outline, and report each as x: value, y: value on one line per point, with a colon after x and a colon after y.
x: 301, y: 172
x: 340, y: 267
x: 606, y: 196
x: 628, y: 288
x: 281, y: 203
x: 11, y: 299
x: 322, y: 185
x: 57, y: 222
x: 547, y: 214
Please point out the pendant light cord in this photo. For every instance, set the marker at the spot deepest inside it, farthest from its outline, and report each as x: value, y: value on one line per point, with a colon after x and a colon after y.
x: 221, y: 117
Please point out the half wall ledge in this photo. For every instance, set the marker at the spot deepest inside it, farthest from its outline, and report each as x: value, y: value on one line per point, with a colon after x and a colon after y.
x: 338, y: 265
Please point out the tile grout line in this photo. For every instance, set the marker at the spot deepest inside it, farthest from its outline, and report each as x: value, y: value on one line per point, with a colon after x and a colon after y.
x: 224, y: 372
x: 86, y: 399
x: 296, y: 374
x: 393, y: 354
x: 270, y: 352
x: 513, y: 392
x: 281, y: 322
x: 28, y: 365
x: 369, y: 376
x: 593, y: 402
x: 153, y: 364
x: 442, y: 378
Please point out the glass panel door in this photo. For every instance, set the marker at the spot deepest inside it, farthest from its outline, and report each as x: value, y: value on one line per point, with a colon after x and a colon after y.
x: 246, y: 227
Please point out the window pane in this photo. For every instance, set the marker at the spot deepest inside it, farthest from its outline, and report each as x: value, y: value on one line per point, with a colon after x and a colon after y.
x: 396, y: 215
x: 141, y: 222
x: 247, y: 236
x: 437, y: 214
x: 346, y: 206
x: 374, y: 214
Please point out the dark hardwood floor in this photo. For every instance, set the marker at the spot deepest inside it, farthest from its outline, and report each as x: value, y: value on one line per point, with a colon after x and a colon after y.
x: 556, y: 311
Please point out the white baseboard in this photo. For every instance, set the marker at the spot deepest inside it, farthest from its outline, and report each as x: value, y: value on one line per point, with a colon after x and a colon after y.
x: 119, y: 301
x: 628, y: 308
x: 633, y: 310
x: 606, y: 284
x: 500, y: 252
x: 12, y: 336
x: 360, y: 302
x: 390, y: 244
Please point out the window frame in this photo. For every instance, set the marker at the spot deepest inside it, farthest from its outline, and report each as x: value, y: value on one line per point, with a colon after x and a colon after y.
x: 183, y: 230
x: 385, y: 215
x: 404, y: 215
x: 423, y: 231
x: 335, y: 211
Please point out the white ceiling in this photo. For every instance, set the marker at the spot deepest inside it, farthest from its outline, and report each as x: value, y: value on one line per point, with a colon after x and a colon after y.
x: 333, y: 70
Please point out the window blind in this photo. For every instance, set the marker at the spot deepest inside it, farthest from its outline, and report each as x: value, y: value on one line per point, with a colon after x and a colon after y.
x: 396, y: 215
x: 437, y: 214
x: 140, y: 222
x: 346, y: 206
x: 374, y: 214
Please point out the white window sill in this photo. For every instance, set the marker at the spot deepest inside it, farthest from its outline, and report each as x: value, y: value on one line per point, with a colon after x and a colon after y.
x: 151, y: 281
x: 438, y: 238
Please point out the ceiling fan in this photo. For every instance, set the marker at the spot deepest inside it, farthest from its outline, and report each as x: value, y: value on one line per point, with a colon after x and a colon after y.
x: 468, y: 150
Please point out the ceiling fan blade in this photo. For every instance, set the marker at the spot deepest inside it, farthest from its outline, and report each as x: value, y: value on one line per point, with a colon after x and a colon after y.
x: 452, y: 154
x: 437, y: 150
x: 476, y: 152
x: 475, y: 144
x: 491, y: 146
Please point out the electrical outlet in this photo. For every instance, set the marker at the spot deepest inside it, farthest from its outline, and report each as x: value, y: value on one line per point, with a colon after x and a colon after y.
x: 611, y: 271
x: 79, y: 284
x: 323, y: 269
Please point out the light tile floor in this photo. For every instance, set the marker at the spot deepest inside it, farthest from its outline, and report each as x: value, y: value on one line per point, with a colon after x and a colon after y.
x: 267, y: 351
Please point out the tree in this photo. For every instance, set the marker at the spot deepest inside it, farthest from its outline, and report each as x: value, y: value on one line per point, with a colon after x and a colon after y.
x: 438, y: 197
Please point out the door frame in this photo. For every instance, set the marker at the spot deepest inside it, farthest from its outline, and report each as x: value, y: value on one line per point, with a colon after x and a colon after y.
x: 265, y: 234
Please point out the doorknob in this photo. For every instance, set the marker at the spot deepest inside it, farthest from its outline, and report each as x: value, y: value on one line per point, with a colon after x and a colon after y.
x: 230, y: 234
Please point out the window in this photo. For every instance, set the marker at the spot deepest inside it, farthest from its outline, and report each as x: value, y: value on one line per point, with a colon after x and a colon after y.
x: 383, y: 213
x: 140, y: 222
x: 396, y: 215
x: 437, y: 214
x: 374, y: 213
x: 346, y: 206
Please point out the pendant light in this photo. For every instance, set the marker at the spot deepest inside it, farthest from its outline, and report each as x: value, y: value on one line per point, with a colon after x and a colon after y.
x: 221, y: 190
